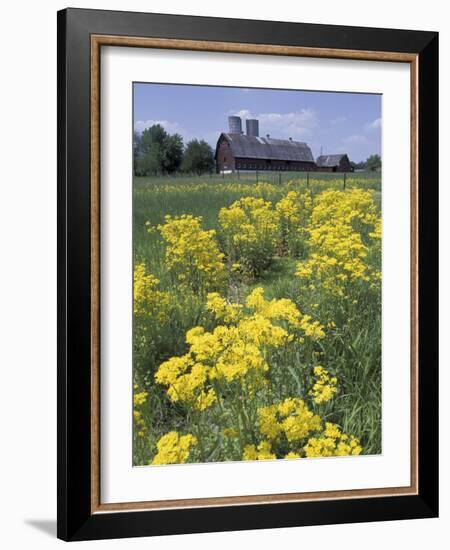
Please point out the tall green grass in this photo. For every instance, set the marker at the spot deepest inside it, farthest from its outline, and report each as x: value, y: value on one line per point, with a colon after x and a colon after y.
x: 352, y: 350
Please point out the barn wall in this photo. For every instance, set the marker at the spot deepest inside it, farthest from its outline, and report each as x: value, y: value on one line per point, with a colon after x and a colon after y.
x: 345, y: 165
x: 224, y: 158
x: 275, y: 165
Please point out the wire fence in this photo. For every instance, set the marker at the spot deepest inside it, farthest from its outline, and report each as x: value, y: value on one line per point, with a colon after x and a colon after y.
x: 342, y: 180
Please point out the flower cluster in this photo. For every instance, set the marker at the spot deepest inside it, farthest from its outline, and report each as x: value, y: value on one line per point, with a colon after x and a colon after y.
x: 294, y: 211
x: 223, y: 310
x: 139, y: 398
x: 186, y: 379
x: 291, y: 425
x: 192, y: 254
x: 324, y: 388
x: 234, y: 350
x: 339, y: 238
x: 291, y: 418
x: 148, y: 302
x: 332, y: 442
x: 174, y: 448
x: 284, y: 309
x: 250, y: 233
x: 289, y: 429
x: 263, y: 451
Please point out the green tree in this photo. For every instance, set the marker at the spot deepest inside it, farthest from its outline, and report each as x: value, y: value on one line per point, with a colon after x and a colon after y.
x: 198, y: 157
x: 158, y: 152
x: 172, y: 153
x: 150, y: 163
x: 373, y: 163
x: 136, y: 144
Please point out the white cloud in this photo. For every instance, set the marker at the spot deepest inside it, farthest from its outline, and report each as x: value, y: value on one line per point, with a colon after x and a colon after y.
x: 374, y: 125
x: 297, y: 124
x: 243, y: 113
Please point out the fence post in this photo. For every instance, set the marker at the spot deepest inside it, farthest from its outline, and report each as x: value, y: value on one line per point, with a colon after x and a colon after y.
x: 345, y: 179
x: 257, y: 175
x: 279, y: 179
x: 238, y: 174
x: 307, y: 179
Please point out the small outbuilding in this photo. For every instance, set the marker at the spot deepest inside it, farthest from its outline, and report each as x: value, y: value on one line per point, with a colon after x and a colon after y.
x: 334, y: 163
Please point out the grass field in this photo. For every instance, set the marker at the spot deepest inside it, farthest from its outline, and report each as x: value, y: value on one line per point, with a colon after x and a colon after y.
x: 292, y: 278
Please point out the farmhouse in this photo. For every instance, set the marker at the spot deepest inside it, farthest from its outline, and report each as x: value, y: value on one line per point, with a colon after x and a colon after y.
x: 334, y: 163
x: 238, y: 151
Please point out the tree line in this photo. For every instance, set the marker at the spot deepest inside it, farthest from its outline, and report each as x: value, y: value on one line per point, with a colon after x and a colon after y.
x: 156, y: 152
x: 371, y: 164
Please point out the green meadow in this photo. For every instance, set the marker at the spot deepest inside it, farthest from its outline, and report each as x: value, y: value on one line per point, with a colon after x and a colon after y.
x: 350, y: 350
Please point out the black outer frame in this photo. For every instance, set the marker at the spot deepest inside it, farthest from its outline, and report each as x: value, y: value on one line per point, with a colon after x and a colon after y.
x: 75, y: 521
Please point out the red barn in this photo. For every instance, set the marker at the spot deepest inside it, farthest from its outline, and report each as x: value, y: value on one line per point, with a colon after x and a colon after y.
x: 237, y: 151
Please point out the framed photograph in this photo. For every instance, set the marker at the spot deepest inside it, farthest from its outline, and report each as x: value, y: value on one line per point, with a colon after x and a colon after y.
x: 247, y: 252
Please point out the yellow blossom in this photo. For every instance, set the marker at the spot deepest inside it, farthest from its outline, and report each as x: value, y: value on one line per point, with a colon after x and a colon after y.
x: 291, y: 417
x: 340, y: 226
x: 174, y: 448
x: 221, y: 308
x: 291, y: 454
x: 324, y: 388
x: 250, y: 231
x: 192, y: 254
x: 149, y: 302
x: 332, y: 442
x: 261, y: 452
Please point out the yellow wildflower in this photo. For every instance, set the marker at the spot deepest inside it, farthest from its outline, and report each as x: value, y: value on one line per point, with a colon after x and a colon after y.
x: 324, y: 388
x: 283, y: 310
x: 149, y: 302
x: 140, y: 398
x: 250, y: 232
x: 192, y: 254
x: 262, y: 452
x: 174, y: 448
x: 291, y: 417
x: 340, y: 225
x: 332, y: 442
x: 291, y: 454
x: 221, y: 309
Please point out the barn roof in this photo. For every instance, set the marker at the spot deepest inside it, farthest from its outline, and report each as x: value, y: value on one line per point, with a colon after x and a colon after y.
x: 328, y: 161
x: 267, y: 148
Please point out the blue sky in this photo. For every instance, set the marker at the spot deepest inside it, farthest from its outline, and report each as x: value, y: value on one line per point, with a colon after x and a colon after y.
x: 334, y: 122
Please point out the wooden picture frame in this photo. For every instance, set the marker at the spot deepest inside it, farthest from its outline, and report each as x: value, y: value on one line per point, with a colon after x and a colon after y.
x: 81, y: 35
